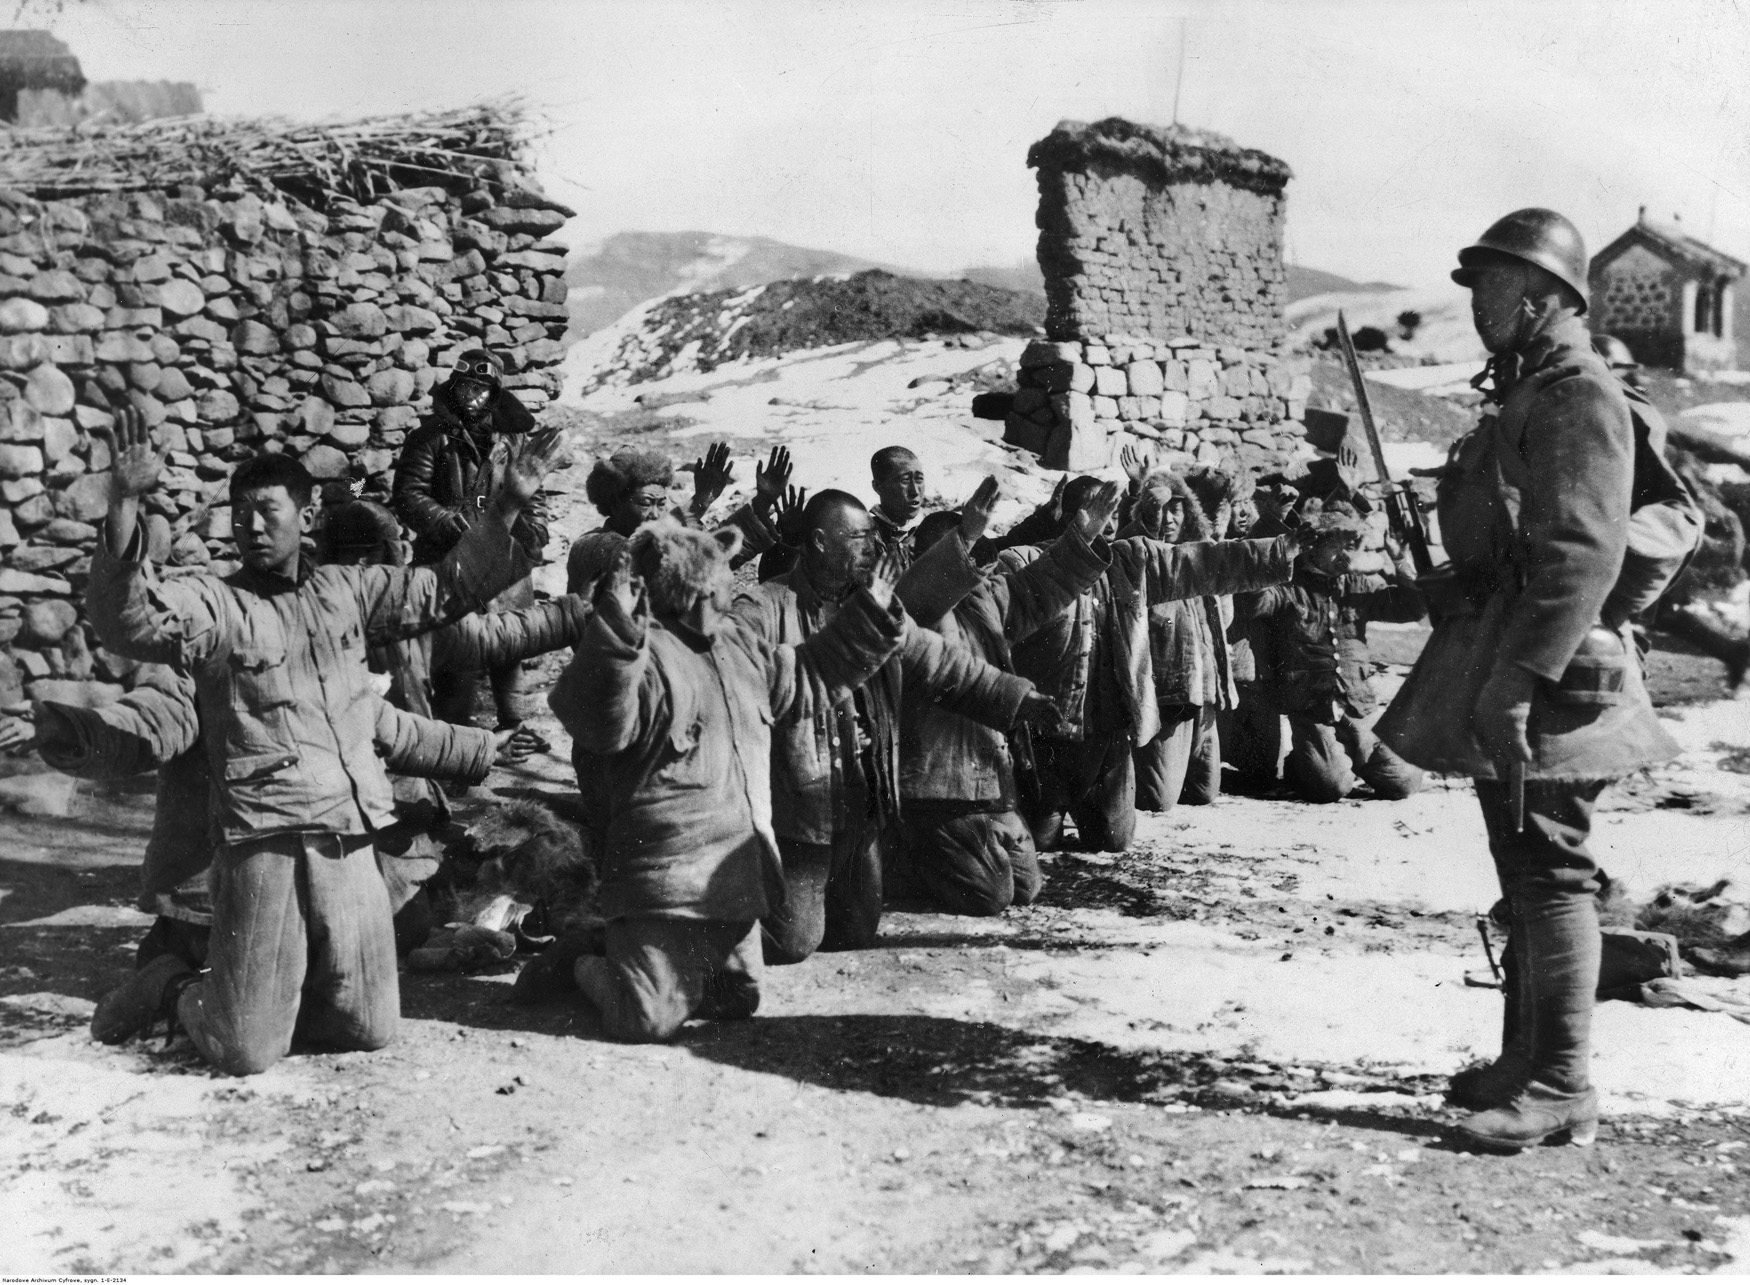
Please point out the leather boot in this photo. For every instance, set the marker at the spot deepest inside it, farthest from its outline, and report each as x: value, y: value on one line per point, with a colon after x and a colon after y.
x: 1559, y: 969
x: 132, y: 1008
x: 1494, y: 1084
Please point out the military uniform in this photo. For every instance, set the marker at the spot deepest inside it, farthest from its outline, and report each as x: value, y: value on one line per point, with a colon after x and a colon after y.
x: 1534, y: 511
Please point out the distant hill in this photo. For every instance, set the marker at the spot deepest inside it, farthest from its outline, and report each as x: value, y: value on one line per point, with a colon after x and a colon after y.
x: 699, y: 332
x: 1303, y: 283
x: 1024, y: 275
x: 630, y: 267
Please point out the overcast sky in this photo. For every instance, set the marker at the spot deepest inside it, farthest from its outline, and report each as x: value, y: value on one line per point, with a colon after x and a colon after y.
x: 898, y: 131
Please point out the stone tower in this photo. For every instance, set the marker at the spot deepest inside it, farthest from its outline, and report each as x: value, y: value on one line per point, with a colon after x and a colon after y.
x: 1162, y: 255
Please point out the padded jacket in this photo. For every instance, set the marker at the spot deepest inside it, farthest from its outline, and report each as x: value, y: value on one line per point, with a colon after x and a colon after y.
x: 678, y: 738
x: 1061, y: 657
x: 286, y: 698
x: 944, y: 757
x: 1315, y: 631
x: 819, y: 767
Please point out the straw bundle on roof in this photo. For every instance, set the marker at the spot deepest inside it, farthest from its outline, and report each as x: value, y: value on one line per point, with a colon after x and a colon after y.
x: 361, y: 159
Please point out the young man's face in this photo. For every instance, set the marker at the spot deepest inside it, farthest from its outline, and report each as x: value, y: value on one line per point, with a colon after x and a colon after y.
x: 901, y: 488
x: 1172, y: 521
x: 269, y: 525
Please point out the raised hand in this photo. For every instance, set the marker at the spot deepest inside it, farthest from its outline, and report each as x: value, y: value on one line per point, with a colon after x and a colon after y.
x: 884, y: 577
x: 1039, y: 710
x: 1136, y: 461
x: 711, y: 476
x: 787, y: 514
x: 136, y: 461
x: 1096, y: 511
x: 1054, y: 506
x: 975, y: 513
x: 771, y: 479
x: 531, y: 456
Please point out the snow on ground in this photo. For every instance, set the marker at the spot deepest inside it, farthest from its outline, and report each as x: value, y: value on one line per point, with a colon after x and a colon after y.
x: 1445, y: 333
x: 1451, y: 379
x: 835, y: 407
x: 1730, y: 418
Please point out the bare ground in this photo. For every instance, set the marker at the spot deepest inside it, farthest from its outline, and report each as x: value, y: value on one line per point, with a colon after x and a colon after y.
x: 1210, y: 1054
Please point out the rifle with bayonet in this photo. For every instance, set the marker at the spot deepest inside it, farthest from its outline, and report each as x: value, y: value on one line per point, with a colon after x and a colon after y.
x: 1403, y: 513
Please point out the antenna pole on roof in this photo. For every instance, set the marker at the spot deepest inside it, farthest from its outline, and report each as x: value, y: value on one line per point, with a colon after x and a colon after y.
x: 1179, y: 80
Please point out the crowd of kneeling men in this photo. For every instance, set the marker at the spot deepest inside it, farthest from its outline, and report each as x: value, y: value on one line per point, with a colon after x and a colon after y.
x: 904, y: 707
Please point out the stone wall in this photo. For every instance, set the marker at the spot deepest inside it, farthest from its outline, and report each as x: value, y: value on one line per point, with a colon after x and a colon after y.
x: 237, y: 321
x: 1162, y: 255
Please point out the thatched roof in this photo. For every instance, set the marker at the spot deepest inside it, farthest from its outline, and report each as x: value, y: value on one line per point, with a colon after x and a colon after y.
x: 1163, y: 153
x: 361, y: 159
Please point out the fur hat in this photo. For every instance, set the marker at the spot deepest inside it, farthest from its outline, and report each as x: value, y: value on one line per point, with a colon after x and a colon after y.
x: 1320, y: 521
x: 679, y: 563
x: 1214, y: 485
x: 623, y: 472
x: 1158, y: 489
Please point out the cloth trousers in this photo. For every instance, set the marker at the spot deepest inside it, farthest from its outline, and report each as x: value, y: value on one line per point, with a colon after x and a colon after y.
x: 1251, y: 737
x: 453, y: 694
x: 968, y: 858
x: 657, y: 973
x: 833, y: 891
x: 1550, y: 879
x: 302, y: 944
x: 1183, y: 762
x: 1094, y: 781
x: 1326, y: 758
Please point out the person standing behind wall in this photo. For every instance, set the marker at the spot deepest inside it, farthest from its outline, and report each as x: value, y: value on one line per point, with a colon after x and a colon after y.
x: 447, y: 469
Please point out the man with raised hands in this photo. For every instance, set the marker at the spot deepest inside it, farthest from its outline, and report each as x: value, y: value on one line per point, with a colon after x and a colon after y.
x: 302, y: 939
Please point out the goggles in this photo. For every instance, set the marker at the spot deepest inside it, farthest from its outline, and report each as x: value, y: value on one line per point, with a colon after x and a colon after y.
x: 477, y: 370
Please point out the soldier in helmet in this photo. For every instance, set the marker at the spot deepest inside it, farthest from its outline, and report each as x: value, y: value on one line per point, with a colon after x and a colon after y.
x: 1621, y: 361
x: 1530, y: 676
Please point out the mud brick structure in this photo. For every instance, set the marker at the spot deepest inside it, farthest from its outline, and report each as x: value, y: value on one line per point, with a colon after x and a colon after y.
x: 1162, y: 255
x: 248, y: 286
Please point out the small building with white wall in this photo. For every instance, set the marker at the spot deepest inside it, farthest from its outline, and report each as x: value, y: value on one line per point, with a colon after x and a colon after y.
x: 1667, y: 295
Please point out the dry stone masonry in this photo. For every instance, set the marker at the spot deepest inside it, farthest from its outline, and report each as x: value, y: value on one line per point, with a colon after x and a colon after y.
x: 243, y: 299
x: 1162, y: 255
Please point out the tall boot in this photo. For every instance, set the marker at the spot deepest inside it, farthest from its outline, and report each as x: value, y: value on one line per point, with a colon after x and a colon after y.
x: 1494, y: 1084
x: 1562, y: 948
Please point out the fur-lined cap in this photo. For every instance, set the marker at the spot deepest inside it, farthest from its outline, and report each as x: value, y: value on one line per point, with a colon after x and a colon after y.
x: 1162, y: 486
x: 679, y: 563
x: 1322, y: 521
x: 627, y: 469
x: 1214, y: 485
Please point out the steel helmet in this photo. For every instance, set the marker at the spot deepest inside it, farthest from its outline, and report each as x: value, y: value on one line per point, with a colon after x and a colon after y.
x: 1540, y: 237
x: 1615, y: 353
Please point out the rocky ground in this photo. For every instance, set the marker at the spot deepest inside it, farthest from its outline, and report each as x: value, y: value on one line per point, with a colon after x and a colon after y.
x: 1219, y: 1052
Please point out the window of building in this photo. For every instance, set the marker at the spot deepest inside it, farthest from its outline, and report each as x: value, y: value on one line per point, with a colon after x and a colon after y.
x: 1704, y: 307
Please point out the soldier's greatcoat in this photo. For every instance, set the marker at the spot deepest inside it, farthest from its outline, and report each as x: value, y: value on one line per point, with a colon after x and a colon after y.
x: 1534, y: 515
